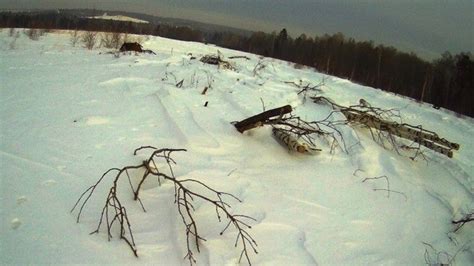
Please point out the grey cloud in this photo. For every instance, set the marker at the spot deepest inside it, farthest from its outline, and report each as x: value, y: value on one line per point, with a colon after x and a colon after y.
x: 427, y: 27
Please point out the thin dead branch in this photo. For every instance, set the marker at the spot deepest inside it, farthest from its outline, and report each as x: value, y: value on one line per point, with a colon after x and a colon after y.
x: 233, y: 170
x: 114, y: 212
x: 434, y: 257
x: 258, y: 67
x: 461, y: 222
x: 326, y: 129
x: 180, y: 84
x: 239, y: 57
x: 304, y: 89
x: 263, y: 104
x: 388, y: 189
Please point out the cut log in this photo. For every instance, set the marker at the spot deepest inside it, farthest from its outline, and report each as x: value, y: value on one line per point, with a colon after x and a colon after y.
x: 287, y: 139
x: 258, y: 120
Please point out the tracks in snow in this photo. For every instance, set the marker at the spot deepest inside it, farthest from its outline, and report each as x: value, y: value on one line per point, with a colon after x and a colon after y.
x: 181, y: 120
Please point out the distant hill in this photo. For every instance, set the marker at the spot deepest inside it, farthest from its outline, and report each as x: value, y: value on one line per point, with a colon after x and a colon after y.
x: 204, y: 27
x: 119, y: 18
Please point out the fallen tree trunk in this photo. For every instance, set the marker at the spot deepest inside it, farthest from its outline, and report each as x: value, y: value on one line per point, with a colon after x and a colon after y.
x: 259, y: 119
x: 417, y: 134
x: 381, y: 120
x: 404, y: 129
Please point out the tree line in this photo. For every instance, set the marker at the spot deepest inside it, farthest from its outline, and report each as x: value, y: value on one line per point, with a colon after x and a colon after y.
x: 66, y: 21
x: 445, y: 82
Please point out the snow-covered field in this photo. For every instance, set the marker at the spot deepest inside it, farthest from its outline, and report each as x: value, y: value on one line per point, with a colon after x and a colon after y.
x: 68, y: 114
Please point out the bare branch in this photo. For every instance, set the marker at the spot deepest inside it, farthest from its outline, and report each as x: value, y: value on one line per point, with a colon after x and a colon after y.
x: 114, y: 212
x: 461, y: 222
x: 308, y: 88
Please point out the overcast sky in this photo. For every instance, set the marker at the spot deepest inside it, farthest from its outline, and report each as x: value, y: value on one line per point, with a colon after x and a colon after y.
x: 427, y: 27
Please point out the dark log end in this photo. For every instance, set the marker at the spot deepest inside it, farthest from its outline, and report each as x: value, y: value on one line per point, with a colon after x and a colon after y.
x: 259, y: 119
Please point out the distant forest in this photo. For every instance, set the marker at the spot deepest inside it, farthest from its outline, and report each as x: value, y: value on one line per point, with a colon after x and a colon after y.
x: 445, y: 82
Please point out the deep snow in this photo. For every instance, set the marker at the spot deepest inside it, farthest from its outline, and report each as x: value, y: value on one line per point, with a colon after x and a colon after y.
x: 68, y: 114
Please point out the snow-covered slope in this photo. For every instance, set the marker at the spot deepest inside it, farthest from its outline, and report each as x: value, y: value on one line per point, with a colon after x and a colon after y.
x: 68, y: 114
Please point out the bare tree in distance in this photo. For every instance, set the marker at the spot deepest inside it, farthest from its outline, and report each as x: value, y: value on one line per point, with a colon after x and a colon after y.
x: 15, y: 37
x: 33, y: 34
x: 74, y: 37
x: 89, y: 38
x: 11, y: 32
x: 116, y: 39
x: 110, y: 39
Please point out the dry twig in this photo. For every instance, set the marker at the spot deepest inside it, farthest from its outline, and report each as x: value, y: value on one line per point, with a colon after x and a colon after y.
x: 435, y: 257
x: 308, y: 131
x: 239, y: 57
x: 461, y: 222
x: 258, y: 67
x: 308, y: 88
x: 114, y: 212
x: 388, y: 190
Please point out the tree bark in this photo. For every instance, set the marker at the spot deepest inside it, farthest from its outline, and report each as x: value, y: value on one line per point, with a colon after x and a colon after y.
x: 426, y: 138
x: 259, y: 119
